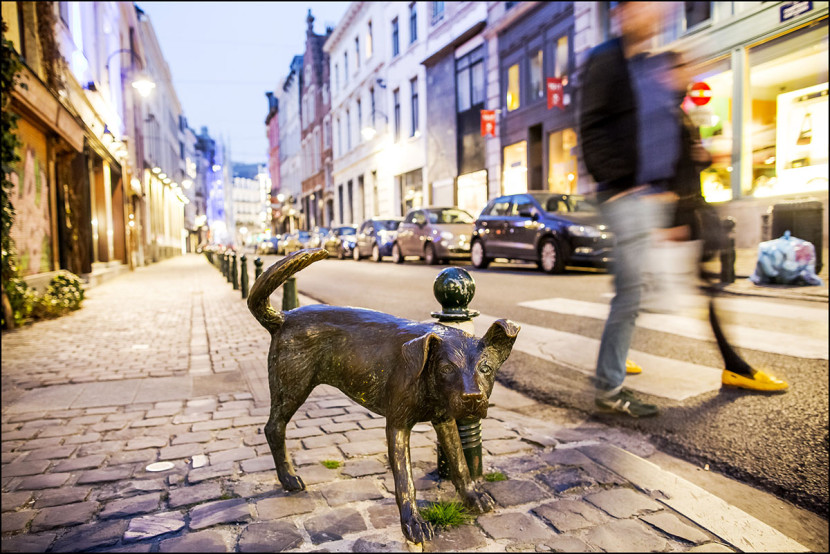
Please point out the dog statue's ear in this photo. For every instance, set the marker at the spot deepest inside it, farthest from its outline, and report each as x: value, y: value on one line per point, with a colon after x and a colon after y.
x: 499, y: 339
x: 416, y: 354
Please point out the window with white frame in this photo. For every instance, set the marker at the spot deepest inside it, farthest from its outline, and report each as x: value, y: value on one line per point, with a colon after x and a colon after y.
x: 395, y: 44
x: 413, y: 23
x: 357, y: 52
x: 437, y: 11
x: 396, y: 97
x: 345, y: 68
x: 348, y: 131
x: 369, y: 44
x: 413, y: 87
x: 359, y: 117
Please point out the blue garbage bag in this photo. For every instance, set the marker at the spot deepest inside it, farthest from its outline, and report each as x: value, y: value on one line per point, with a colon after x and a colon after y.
x: 786, y: 261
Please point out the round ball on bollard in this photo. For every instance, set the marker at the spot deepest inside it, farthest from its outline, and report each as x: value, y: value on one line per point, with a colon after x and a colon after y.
x: 454, y: 289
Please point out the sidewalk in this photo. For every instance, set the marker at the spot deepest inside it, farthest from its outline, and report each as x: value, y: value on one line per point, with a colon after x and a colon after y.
x: 745, y: 260
x: 167, y: 364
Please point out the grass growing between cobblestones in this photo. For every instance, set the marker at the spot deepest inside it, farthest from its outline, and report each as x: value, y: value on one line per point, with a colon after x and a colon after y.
x: 331, y: 464
x: 446, y: 514
x: 495, y: 476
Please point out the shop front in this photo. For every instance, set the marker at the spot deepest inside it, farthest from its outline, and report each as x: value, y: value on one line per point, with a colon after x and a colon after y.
x: 760, y: 98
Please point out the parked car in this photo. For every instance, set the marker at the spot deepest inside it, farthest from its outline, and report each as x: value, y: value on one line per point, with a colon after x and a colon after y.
x: 298, y: 240
x: 340, y: 241
x: 553, y: 230
x: 434, y: 234
x: 375, y: 238
x: 318, y: 235
x: 269, y: 245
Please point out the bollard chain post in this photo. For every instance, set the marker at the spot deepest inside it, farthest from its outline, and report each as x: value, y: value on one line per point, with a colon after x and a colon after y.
x: 258, y: 268
x: 454, y: 289
x: 228, y: 267
x: 244, y: 277
x: 223, y: 259
x: 234, y: 279
x: 289, y: 295
x: 727, y: 255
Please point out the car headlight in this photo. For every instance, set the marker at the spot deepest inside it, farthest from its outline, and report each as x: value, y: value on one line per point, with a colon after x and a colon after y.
x: 584, y: 231
x: 446, y: 235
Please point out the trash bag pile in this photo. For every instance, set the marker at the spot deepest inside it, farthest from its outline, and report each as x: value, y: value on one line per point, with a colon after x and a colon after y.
x: 786, y: 261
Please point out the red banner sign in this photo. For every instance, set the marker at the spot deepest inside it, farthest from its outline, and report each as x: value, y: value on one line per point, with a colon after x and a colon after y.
x: 556, y: 96
x: 488, y: 122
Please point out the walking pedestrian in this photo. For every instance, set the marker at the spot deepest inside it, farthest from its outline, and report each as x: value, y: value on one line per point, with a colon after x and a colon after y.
x: 694, y: 222
x: 630, y: 144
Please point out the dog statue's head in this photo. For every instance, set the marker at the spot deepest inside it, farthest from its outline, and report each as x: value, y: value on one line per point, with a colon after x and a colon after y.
x: 461, y: 369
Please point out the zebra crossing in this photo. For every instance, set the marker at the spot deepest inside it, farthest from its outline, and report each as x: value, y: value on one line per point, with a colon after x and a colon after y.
x: 666, y: 377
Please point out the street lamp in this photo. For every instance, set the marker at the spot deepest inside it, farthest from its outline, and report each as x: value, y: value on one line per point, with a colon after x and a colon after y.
x: 369, y: 133
x: 141, y: 80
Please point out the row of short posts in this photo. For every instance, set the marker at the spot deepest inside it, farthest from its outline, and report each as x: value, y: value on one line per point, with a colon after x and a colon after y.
x: 238, y: 277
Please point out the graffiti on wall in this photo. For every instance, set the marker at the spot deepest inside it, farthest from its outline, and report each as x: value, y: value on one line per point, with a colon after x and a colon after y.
x: 31, y: 230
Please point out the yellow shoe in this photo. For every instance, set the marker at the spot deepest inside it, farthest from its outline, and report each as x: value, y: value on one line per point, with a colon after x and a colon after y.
x: 760, y: 381
x: 632, y: 368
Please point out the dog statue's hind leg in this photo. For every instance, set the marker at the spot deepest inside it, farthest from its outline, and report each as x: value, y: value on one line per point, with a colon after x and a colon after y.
x: 283, y: 406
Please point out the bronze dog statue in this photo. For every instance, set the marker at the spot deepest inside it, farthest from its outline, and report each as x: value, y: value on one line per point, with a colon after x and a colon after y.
x: 404, y: 370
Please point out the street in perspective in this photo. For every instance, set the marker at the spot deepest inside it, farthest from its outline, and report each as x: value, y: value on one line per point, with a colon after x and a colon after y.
x: 429, y: 277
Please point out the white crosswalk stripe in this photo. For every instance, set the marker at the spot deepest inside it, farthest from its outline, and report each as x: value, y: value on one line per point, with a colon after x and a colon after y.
x: 663, y: 377
x: 776, y: 342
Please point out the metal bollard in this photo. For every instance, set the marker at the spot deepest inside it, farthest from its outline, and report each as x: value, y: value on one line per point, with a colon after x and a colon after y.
x: 228, y: 268
x: 289, y: 295
x: 454, y: 289
x: 727, y: 255
x: 244, y: 276
x: 223, y: 260
x: 234, y: 280
x: 258, y: 268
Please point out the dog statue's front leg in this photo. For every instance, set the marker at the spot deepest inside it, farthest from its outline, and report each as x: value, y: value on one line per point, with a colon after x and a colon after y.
x: 414, y: 527
x: 450, y: 441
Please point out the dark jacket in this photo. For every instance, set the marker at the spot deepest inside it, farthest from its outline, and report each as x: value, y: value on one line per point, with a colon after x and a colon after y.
x: 608, y: 119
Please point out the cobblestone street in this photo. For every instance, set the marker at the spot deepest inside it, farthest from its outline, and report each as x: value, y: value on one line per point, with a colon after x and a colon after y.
x: 166, y: 364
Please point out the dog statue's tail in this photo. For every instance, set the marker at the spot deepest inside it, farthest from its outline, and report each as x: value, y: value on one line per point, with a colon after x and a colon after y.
x: 274, y: 276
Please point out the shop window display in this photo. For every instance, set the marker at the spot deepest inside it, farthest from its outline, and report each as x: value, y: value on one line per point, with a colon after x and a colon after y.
x: 515, y: 168
x: 562, y: 172
x: 715, y: 122
x: 789, y: 135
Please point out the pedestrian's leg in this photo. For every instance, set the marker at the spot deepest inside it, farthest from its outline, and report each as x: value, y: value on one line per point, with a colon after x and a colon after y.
x: 737, y: 372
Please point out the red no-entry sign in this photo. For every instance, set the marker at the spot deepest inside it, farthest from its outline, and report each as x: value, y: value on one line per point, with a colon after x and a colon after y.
x: 700, y: 93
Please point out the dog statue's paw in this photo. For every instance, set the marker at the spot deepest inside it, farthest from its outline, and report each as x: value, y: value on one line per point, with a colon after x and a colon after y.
x: 479, y: 502
x: 292, y: 483
x: 416, y: 530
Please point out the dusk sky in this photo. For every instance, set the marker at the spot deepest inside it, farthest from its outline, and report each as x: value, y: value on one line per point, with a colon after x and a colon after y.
x: 224, y: 56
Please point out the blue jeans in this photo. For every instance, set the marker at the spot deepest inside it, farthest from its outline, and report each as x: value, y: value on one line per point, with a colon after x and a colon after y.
x: 631, y: 218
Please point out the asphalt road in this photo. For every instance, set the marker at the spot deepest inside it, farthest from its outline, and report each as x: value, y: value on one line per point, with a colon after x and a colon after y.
x: 775, y: 442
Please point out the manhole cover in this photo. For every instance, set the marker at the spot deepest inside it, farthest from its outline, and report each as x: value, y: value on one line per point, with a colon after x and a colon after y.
x: 159, y: 466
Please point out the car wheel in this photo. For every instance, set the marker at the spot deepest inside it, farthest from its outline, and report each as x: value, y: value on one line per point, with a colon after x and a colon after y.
x: 550, y: 257
x: 341, y: 254
x: 429, y: 254
x: 477, y: 255
x: 397, y: 255
x: 376, y: 257
x: 356, y: 253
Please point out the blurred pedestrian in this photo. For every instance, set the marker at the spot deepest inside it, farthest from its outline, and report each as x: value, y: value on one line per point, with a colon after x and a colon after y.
x: 695, y: 222
x: 630, y: 143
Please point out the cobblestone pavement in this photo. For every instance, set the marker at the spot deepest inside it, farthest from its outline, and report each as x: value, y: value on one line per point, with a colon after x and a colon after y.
x: 166, y: 364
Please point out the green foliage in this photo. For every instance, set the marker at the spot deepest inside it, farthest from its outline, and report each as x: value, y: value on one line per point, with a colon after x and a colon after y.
x: 331, y: 464
x: 9, y: 67
x: 495, y: 476
x: 446, y: 514
x: 64, y: 294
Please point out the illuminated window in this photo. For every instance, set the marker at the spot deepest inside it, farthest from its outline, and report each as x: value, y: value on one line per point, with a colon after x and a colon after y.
x: 562, y: 170
x: 515, y: 168
x: 788, y: 129
x: 561, y: 57
x: 537, y: 89
x: 714, y: 119
x: 513, y: 87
